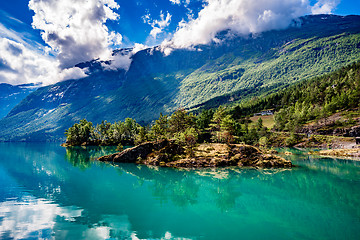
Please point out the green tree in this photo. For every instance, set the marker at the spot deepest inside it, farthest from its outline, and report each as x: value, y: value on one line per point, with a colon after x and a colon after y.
x: 259, y: 124
x: 180, y: 120
x: 141, y: 136
x: 160, y: 130
x: 203, y: 120
x: 131, y: 128
x: 222, y: 126
x: 102, y: 131
x: 80, y: 133
x: 218, y: 116
x: 188, y: 138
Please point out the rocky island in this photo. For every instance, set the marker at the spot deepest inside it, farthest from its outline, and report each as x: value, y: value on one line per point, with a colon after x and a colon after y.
x: 168, y: 153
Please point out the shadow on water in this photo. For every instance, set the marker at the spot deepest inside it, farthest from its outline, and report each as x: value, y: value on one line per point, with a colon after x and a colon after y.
x: 88, y: 198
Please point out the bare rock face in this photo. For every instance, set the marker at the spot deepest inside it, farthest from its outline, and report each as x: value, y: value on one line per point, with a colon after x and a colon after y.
x: 169, y: 154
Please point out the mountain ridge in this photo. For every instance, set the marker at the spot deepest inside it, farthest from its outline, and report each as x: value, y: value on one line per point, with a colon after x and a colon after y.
x: 239, y: 67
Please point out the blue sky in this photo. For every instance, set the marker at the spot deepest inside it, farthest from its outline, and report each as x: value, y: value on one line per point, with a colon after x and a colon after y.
x: 41, y: 40
x: 131, y: 24
x: 131, y: 12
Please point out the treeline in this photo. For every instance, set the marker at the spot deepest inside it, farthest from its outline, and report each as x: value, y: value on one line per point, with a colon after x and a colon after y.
x: 105, y: 133
x: 186, y: 128
x: 295, y: 105
x: 319, y: 98
x: 308, y: 100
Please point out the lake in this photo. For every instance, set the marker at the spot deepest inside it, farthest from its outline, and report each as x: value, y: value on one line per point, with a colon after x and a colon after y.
x: 49, y: 192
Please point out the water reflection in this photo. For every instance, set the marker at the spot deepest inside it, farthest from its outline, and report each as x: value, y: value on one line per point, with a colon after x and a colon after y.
x: 32, y: 218
x: 22, y: 220
x: 43, y: 195
x: 39, y: 219
x: 83, y: 156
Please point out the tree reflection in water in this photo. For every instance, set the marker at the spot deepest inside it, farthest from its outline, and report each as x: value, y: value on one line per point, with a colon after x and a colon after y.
x: 186, y: 187
x: 152, y: 202
x: 82, y: 157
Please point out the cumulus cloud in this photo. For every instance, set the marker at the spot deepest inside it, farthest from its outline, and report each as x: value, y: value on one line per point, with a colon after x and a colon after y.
x: 76, y: 30
x: 122, y: 59
x: 24, y: 60
x: 158, y: 25
x: 324, y: 6
x: 22, y: 64
x: 242, y: 17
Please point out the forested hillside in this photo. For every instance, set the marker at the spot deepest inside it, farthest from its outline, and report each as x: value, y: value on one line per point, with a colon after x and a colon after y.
x: 309, y: 100
x: 233, y: 71
x: 314, y: 99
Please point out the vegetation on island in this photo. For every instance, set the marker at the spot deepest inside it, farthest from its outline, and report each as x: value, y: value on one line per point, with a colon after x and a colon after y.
x: 185, y: 128
x: 106, y: 134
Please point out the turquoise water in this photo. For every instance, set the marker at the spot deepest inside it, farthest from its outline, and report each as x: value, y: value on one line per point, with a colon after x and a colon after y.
x: 49, y: 192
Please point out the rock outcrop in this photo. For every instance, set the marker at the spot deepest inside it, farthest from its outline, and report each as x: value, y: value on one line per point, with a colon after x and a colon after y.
x: 133, y: 155
x: 351, y: 152
x: 169, y: 154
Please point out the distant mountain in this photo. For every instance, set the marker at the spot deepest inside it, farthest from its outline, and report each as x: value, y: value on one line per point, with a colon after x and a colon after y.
x: 208, y: 74
x: 11, y: 95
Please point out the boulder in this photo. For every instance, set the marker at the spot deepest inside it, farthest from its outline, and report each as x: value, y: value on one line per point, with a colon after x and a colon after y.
x: 132, y: 155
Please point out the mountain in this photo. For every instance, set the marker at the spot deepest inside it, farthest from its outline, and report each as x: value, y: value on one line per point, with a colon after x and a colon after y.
x: 11, y: 95
x: 232, y: 70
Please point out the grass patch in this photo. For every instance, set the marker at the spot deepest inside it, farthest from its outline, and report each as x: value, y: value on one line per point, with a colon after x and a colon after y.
x: 268, y: 121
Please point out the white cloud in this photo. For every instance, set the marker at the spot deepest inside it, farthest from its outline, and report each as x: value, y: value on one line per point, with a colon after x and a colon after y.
x: 324, y: 6
x: 23, y: 64
x: 23, y: 60
x: 178, y: 2
x: 158, y: 25
x: 123, y: 59
x: 76, y: 30
x: 155, y: 31
x: 138, y: 47
x: 242, y: 17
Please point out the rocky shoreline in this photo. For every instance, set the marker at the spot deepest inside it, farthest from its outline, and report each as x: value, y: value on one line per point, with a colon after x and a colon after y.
x: 169, y: 154
x: 351, y: 152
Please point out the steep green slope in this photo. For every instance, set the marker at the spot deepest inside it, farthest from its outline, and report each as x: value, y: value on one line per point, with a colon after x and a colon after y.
x: 326, y: 105
x: 211, y: 75
x: 311, y: 99
x: 296, y: 60
x: 145, y: 98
